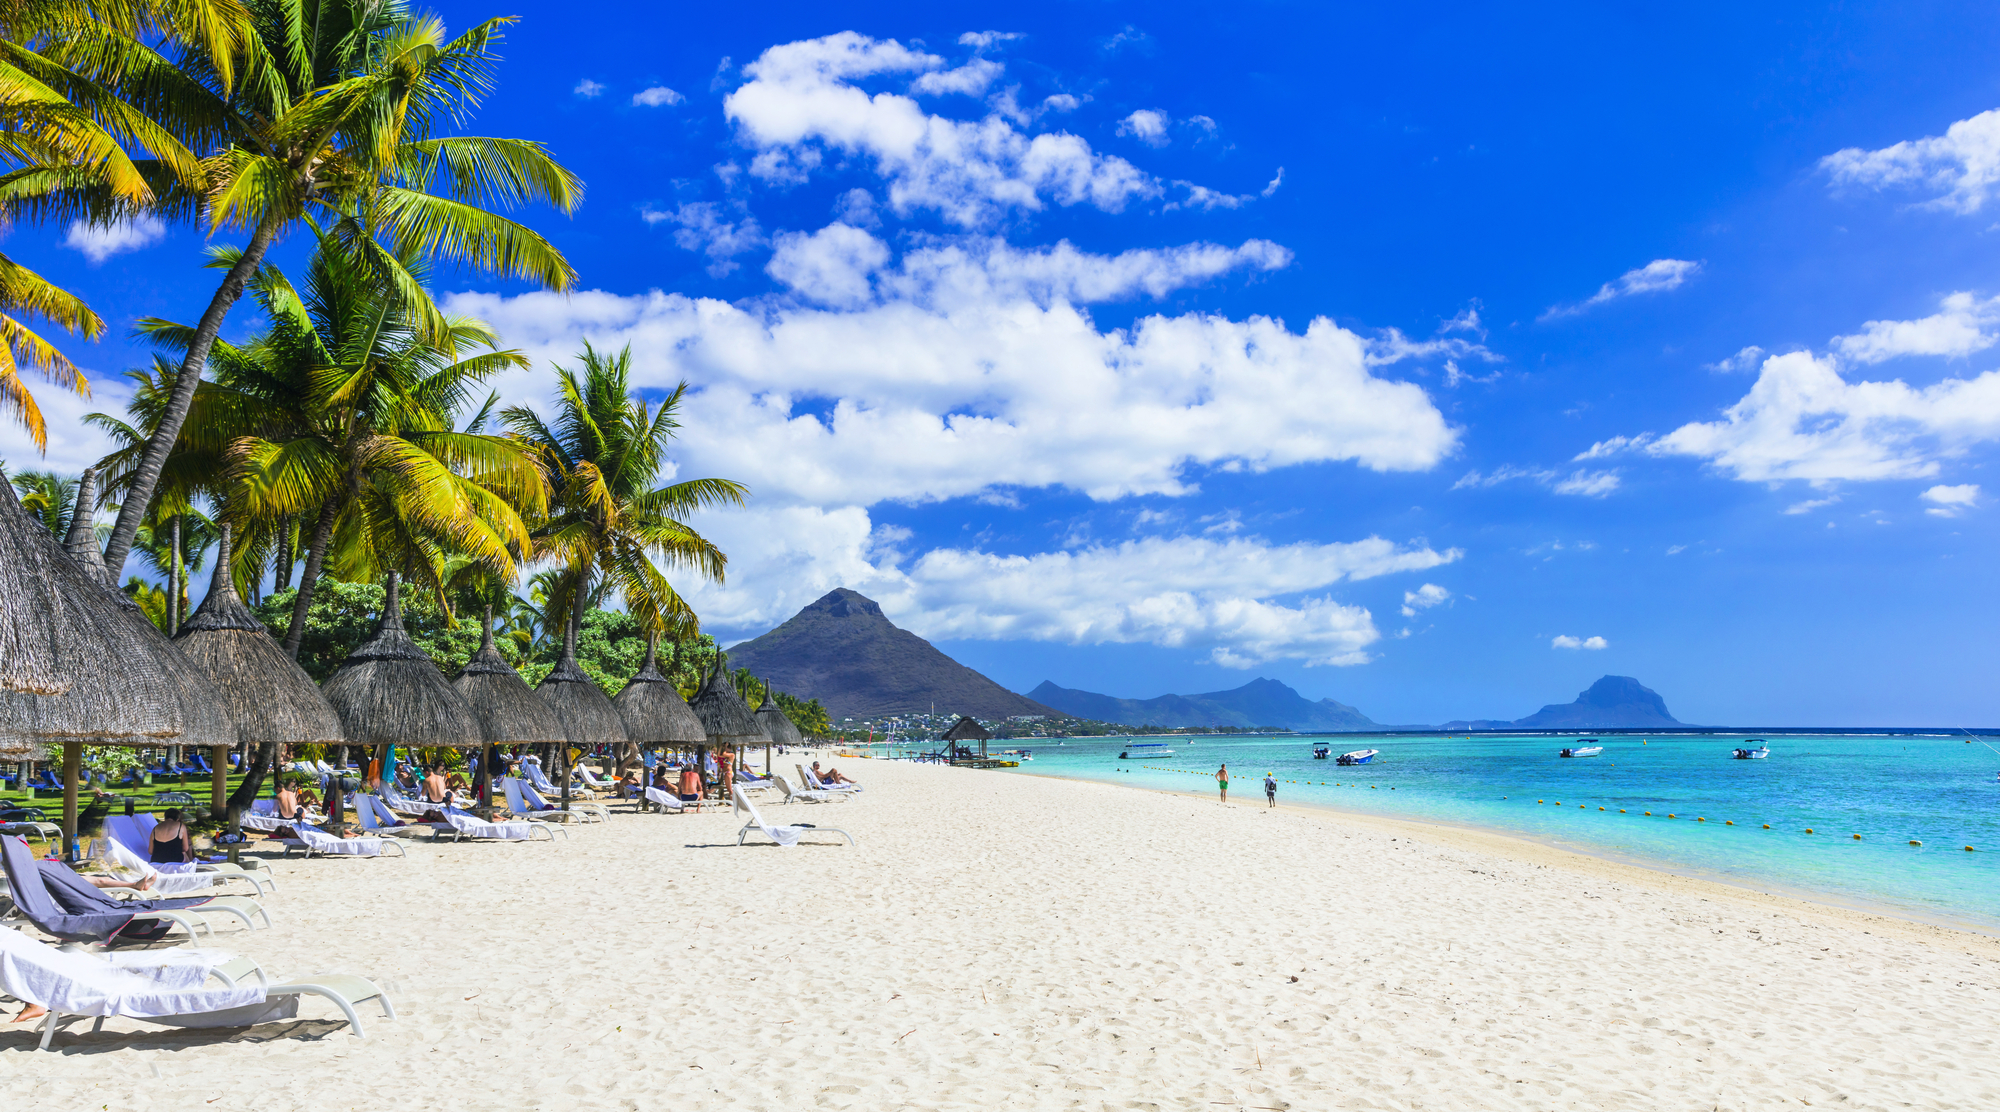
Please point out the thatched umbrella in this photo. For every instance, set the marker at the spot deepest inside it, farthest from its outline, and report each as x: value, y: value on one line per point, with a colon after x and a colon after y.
x: 652, y: 708
x: 79, y: 662
x: 725, y: 717
x: 588, y: 718
x: 965, y: 729
x: 777, y: 724
x: 272, y: 699
x: 509, y: 711
x: 388, y: 692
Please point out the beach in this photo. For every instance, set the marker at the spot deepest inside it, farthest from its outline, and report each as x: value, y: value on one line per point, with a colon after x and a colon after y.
x: 1002, y: 941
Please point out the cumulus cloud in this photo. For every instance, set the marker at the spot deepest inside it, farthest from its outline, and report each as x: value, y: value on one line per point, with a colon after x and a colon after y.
x: 1565, y: 641
x: 802, y: 98
x: 1958, y: 329
x: 1606, y: 448
x: 1959, y: 168
x: 587, y: 89
x: 655, y: 97
x: 970, y: 79
x: 1811, y: 504
x: 1147, y: 125
x: 1582, y: 481
x: 1423, y: 598
x: 1951, y: 501
x: 980, y: 40
x: 99, y: 242
x: 1744, y: 361
x: 73, y: 444
x: 1061, y: 102
x: 703, y: 226
x: 831, y: 266
x: 1657, y: 276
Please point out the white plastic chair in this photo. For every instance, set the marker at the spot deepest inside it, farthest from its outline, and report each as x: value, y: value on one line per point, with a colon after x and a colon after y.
x: 783, y: 835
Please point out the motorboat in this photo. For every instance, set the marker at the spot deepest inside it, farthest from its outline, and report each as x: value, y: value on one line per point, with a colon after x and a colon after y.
x: 1145, y: 751
x: 1745, y: 753
x: 1358, y: 757
x: 1584, y: 750
x: 1321, y: 751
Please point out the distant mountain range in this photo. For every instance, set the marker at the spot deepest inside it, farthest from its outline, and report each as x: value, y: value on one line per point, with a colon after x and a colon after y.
x: 1614, y: 702
x: 842, y: 651
x: 1259, y: 704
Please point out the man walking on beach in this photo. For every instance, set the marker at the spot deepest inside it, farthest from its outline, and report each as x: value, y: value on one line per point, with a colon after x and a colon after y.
x: 1270, y: 791
x: 1222, y: 781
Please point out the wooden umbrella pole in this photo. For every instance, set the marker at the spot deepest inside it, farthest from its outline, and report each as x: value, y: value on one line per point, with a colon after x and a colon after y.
x: 486, y: 782
x: 218, y: 783
x: 72, y: 770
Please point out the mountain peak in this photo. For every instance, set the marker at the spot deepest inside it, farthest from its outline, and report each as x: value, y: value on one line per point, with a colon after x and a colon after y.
x: 1261, y: 703
x: 843, y: 603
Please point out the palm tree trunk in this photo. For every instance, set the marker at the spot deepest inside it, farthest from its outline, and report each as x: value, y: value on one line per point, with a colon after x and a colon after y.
x: 315, y: 556
x: 161, y: 443
x: 286, y: 556
x: 174, y: 580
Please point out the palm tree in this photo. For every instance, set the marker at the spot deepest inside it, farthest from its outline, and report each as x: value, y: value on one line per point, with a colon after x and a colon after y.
x: 341, y: 415
x: 337, y: 111
x: 47, y: 497
x: 603, y: 454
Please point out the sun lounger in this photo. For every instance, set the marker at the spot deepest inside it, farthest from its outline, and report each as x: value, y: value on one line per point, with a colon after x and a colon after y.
x: 663, y: 799
x: 582, y: 808
x: 520, y: 808
x: 313, y: 840
x: 816, y: 784
x: 64, y: 905
x: 165, y: 987
x: 133, y: 832
x: 376, y: 818
x: 783, y: 835
x: 807, y: 795
x: 469, y: 825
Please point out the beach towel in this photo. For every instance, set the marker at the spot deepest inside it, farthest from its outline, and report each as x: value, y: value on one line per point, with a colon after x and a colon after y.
x: 141, y: 985
x: 472, y: 826
x: 61, y: 903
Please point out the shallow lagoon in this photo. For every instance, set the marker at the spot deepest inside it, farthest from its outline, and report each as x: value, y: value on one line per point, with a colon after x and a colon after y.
x: 1941, y: 791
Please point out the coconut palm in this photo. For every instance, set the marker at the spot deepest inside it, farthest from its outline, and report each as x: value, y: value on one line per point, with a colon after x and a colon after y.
x: 47, y: 497
x: 338, y: 111
x: 603, y: 453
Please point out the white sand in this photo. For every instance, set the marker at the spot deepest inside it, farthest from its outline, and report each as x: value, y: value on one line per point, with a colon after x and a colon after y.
x: 999, y: 941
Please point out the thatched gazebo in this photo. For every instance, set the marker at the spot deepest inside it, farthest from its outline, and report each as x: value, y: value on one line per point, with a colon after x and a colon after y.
x: 388, y: 692
x: 652, y: 708
x: 725, y: 718
x: 272, y: 699
x: 965, y: 729
x: 587, y: 716
x: 777, y: 724
x: 80, y: 664
x: 509, y: 711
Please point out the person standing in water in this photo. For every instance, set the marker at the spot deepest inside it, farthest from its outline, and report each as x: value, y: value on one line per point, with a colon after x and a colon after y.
x: 1222, y: 781
x: 1270, y: 791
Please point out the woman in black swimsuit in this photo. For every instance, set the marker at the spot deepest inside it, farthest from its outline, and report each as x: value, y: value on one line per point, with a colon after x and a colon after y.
x: 171, y: 844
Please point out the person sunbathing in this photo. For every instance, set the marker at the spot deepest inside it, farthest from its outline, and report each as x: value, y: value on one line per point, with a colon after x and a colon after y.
x: 436, y: 790
x: 830, y: 776
x: 288, y: 801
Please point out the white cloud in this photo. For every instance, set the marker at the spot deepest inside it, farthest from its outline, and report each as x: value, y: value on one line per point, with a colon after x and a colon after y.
x: 1961, y: 167
x: 1951, y: 501
x: 1423, y: 598
x: 1811, y: 504
x: 1676, y: 549
x: 831, y: 266
x: 976, y: 271
x: 1957, y: 330
x: 656, y: 96
x: 1657, y: 276
x: 1605, y: 448
x: 1147, y: 125
x: 1061, y: 102
x: 1582, y: 481
x: 587, y: 89
x: 702, y: 226
x: 1564, y: 641
x: 1245, y: 600
x: 1743, y: 362
x: 802, y: 98
x: 100, y: 242
x: 980, y: 40
x: 1802, y: 420
x: 856, y: 207
x: 73, y: 445
x: 970, y: 79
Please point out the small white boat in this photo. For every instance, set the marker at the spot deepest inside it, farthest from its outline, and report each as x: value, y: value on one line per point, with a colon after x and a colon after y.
x: 1358, y: 757
x: 1145, y: 751
x: 1745, y: 753
x: 1321, y: 751
x: 1583, y: 751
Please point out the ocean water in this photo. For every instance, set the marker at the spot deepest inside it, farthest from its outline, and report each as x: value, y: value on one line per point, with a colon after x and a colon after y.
x: 1941, y: 791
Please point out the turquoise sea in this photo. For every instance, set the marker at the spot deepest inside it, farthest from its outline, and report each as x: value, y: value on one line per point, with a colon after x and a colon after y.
x: 1941, y: 791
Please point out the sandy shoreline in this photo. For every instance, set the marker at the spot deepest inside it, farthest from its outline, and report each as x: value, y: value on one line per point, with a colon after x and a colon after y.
x: 1000, y: 941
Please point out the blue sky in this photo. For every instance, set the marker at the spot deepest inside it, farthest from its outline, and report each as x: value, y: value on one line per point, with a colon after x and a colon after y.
x: 1405, y: 357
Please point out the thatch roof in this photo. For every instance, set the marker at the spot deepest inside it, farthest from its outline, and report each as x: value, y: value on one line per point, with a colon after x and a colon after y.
x: 588, y: 718
x: 725, y: 717
x: 965, y: 729
x: 774, y: 722
x: 269, y: 695
x: 509, y: 711
x: 387, y: 691
x: 652, y: 708
x: 78, y: 662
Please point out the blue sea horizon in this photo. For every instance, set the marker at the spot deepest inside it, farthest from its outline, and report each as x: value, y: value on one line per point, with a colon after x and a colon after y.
x: 1890, y: 790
